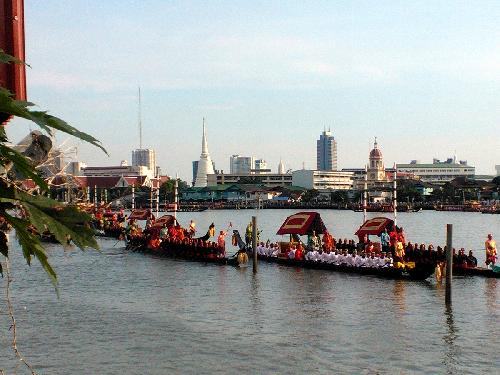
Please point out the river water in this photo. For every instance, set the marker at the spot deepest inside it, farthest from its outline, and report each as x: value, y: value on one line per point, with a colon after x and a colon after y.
x: 127, y: 313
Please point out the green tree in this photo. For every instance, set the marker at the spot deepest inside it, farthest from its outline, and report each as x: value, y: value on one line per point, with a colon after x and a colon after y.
x: 310, y: 195
x: 168, y: 187
x: 24, y: 211
x: 407, y: 192
x: 339, y: 196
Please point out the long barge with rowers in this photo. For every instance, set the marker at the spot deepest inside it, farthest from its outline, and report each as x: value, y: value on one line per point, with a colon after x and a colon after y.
x: 212, y: 255
x: 417, y: 273
x: 194, y: 250
x: 303, y: 223
x: 477, y: 271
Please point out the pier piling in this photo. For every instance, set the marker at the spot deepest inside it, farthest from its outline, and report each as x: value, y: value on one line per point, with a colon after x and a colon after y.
x: 449, y: 262
x: 254, y: 243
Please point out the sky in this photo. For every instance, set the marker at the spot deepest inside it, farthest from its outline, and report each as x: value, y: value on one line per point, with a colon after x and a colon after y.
x: 268, y: 77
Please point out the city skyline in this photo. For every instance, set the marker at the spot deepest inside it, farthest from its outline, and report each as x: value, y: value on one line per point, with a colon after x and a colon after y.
x: 423, y: 78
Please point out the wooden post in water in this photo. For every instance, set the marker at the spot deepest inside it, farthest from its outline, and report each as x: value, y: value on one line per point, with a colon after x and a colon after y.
x: 449, y: 262
x: 365, y: 193
x: 133, y: 197
x: 157, y: 201
x: 395, y: 196
x: 151, y: 200
x: 254, y: 243
x: 176, y: 187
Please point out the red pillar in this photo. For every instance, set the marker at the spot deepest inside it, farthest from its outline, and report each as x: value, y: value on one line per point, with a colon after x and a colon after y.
x: 12, y: 76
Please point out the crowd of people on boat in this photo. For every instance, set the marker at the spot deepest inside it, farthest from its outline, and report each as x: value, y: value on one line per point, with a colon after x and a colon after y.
x: 175, y: 239
x: 390, y: 249
x: 336, y: 257
x: 108, y: 221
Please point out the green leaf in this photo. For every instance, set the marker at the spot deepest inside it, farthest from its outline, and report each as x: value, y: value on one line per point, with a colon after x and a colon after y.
x: 61, y: 221
x: 43, y: 119
x: 3, y: 135
x: 4, y: 247
x: 22, y: 164
x: 7, y: 59
x: 31, y: 245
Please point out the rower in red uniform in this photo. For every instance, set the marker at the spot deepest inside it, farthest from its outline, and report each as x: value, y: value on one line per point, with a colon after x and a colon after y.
x: 172, y: 232
x: 180, y: 233
x: 221, y: 240
x: 393, y: 239
x: 299, y: 252
x: 327, y: 241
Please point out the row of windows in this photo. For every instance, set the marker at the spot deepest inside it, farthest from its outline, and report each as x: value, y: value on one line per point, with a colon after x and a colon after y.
x: 437, y: 172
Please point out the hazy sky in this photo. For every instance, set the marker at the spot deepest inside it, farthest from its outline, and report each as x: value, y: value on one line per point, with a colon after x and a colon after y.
x: 423, y: 76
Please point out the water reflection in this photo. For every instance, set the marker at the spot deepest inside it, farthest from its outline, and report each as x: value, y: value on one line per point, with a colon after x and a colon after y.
x: 451, y: 352
x: 490, y: 295
x: 399, y: 292
x: 255, y: 295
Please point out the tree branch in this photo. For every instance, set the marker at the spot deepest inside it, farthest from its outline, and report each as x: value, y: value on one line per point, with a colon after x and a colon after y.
x: 13, y: 326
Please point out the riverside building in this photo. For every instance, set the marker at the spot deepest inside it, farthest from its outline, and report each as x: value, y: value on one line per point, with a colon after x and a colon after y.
x: 439, y: 172
x: 265, y: 179
x: 322, y: 180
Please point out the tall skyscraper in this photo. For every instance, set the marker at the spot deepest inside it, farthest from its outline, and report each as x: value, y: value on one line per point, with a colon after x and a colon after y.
x: 326, y: 152
x: 205, y: 166
x: 241, y: 164
x: 144, y: 157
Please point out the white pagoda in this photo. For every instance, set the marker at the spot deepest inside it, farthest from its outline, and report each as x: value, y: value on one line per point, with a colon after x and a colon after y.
x: 205, y: 166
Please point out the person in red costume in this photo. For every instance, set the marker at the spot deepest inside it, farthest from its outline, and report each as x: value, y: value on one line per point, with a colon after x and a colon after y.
x: 299, y: 253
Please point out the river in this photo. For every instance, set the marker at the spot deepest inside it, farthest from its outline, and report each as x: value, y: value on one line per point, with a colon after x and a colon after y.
x: 121, y: 312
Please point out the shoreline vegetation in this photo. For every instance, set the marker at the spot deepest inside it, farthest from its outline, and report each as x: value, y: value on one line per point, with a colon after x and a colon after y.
x: 383, y: 208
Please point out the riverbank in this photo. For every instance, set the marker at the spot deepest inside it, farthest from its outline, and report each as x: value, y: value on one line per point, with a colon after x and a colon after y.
x: 402, y: 207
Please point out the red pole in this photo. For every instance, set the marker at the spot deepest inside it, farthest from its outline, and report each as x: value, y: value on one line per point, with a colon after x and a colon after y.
x: 12, y: 76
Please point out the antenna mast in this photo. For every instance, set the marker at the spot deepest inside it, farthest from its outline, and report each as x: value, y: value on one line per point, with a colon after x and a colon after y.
x: 140, y: 120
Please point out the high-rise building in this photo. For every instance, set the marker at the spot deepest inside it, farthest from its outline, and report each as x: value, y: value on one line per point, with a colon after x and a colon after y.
x: 260, y: 166
x: 195, y: 170
x: 326, y: 152
x: 144, y: 158
x: 205, y: 166
x: 245, y: 165
x: 241, y: 164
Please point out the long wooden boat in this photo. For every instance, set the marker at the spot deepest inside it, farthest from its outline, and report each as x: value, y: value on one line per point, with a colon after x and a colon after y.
x: 421, y: 272
x: 307, y: 222
x: 476, y: 271
x: 181, y: 251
